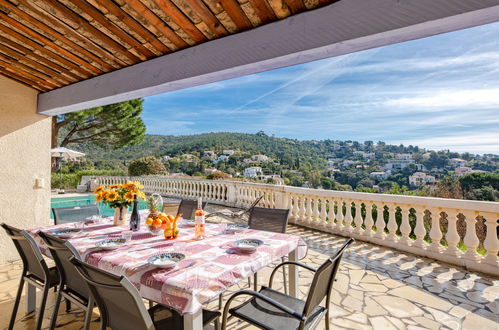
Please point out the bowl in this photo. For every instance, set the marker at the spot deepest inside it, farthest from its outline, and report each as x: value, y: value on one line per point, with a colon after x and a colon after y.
x: 188, y: 223
x: 247, y: 244
x: 165, y: 260
x: 110, y: 243
x: 155, y: 229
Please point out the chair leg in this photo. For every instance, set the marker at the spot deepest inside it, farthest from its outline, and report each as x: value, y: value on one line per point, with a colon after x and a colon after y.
x: 249, y: 282
x: 53, y: 322
x: 68, y: 306
x: 255, y: 282
x: 220, y: 298
x: 327, y: 318
x: 217, y: 323
x: 16, y: 303
x: 284, y: 276
x: 39, y: 322
x: 88, y: 313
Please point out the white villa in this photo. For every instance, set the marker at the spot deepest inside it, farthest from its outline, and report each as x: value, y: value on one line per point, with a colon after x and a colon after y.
x: 228, y: 152
x: 209, y: 154
x: 403, y: 156
x: 457, y: 162
x: 419, y: 178
x: 380, y: 175
x: 260, y: 158
x: 253, y: 172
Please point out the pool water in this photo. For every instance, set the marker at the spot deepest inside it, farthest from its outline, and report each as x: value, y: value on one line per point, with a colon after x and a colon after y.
x: 86, y: 200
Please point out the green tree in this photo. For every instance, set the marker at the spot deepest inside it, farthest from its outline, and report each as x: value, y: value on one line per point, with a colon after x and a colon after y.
x: 115, y: 125
x: 146, y: 166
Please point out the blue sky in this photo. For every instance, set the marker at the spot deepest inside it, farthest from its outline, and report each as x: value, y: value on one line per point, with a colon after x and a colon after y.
x: 440, y: 92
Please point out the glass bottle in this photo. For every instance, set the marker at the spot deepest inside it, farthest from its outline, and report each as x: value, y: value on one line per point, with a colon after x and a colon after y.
x: 199, y: 220
x: 135, y: 217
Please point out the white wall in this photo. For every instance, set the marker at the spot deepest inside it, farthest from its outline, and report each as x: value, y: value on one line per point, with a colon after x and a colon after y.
x: 24, y: 157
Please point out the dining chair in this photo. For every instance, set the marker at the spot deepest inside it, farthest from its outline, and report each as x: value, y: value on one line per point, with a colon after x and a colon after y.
x: 272, y: 310
x: 236, y: 215
x: 35, y: 271
x: 74, y: 213
x: 121, y: 306
x: 187, y: 208
x: 72, y: 286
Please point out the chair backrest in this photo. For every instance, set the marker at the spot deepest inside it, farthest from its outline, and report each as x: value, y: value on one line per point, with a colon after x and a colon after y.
x: 119, y: 302
x: 275, y: 220
x: 322, y: 283
x: 29, y: 252
x: 187, y: 207
x: 74, y: 213
x: 62, y: 251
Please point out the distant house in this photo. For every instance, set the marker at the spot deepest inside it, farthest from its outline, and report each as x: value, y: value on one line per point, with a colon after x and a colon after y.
x: 457, y: 162
x: 209, y: 154
x: 248, y: 161
x: 460, y: 171
x: 228, y: 152
x: 380, y: 175
x: 348, y: 162
x: 398, y: 164
x: 253, y: 172
x: 420, y: 178
x: 221, y: 158
x: 166, y: 158
x: 210, y: 170
x: 403, y: 156
x: 426, y: 155
x: 259, y: 158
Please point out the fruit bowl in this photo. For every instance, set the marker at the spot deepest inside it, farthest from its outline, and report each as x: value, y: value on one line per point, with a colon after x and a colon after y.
x: 155, y: 229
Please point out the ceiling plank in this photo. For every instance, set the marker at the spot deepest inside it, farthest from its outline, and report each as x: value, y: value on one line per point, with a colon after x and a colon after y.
x: 263, y: 10
x: 126, y: 19
x: 14, y: 75
x: 181, y: 20
x: 84, y: 25
x: 53, y: 56
x: 207, y: 17
x: 25, y: 73
x: 295, y: 6
x: 75, y: 60
x: 58, y: 36
x: 237, y: 15
x: 157, y: 23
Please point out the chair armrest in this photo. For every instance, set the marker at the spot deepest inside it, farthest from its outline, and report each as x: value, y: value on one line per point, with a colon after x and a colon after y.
x: 294, y: 263
x: 268, y: 300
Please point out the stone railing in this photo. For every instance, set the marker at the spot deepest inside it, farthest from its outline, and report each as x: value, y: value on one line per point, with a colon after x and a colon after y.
x: 460, y: 232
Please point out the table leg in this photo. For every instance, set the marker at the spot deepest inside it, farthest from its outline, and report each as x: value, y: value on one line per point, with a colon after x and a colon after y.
x: 194, y: 321
x: 30, y: 298
x: 293, y: 275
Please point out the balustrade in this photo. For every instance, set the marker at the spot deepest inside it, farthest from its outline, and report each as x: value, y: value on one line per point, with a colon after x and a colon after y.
x: 392, y: 220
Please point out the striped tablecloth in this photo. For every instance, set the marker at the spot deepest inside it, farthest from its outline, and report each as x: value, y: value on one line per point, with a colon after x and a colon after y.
x: 208, y: 269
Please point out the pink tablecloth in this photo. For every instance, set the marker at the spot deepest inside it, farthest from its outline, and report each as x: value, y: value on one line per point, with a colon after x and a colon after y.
x: 210, y: 268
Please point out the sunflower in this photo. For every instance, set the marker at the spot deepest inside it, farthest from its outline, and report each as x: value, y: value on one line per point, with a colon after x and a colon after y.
x: 98, y: 197
x: 141, y: 195
x: 129, y: 196
x: 111, y: 196
x: 115, y: 186
x: 98, y: 189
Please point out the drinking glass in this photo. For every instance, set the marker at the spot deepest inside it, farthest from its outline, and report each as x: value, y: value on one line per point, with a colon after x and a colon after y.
x: 127, y: 235
x: 79, y: 225
x: 222, y: 227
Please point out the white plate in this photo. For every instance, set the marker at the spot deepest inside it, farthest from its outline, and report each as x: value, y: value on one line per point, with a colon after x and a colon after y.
x: 66, y: 233
x: 189, y: 223
x: 247, y: 244
x: 165, y: 260
x: 110, y: 244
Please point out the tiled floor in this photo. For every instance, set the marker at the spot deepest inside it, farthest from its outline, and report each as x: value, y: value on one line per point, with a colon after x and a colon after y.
x: 377, y: 288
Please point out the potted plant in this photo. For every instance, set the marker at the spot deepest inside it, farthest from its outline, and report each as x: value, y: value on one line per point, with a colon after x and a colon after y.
x: 120, y: 197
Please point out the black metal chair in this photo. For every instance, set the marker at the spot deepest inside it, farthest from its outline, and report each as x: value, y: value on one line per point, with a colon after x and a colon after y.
x: 187, y: 208
x: 74, y: 213
x: 121, y: 306
x: 273, y: 310
x: 72, y: 286
x: 238, y: 214
x: 35, y: 271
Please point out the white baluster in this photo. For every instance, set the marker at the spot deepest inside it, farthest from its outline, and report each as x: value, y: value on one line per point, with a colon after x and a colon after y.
x: 380, y: 221
x: 331, y: 216
x: 420, y: 230
x: 358, y: 217
x: 369, y: 222
x: 405, y: 226
x: 323, y: 215
x: 452, y: 236
x: 348, y: 216
x: 471, y: 239
x: 491, y: 242
x: 392, y: 222
x: 303, y: 209
x: 340, y: 217
x: 315, y: 214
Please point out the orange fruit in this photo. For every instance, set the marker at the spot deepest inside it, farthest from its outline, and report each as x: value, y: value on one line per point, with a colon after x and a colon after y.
x: 149, y: 221
x: 157, y: 222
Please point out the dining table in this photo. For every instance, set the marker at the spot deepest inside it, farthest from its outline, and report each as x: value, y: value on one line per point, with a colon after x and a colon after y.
x: 210, y: 266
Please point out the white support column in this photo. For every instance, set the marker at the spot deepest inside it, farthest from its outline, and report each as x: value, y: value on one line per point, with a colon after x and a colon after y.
x: 392, y: 222
x: 193, y: 321
x: 491, y: 243
x: 420, y: 230
x: 435, y: 232
x: 471, y: 239
x: 405, y: 226
x: 358, y: 217
x: 348, y: 216
x: 452, y: 236
x: 380, y: 221
x: 369, y: 222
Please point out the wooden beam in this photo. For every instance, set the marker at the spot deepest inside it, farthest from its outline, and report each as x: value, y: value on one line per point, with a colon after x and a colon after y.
x: 263, y: 10
x: 236, y: 13
x: 26, y: 71
x: 9, y: 72
x: 26, y: 41
x: 295, y: 6
x: 207, y: 17
x: 181, y: 20
x: 325, y: 32
x: 126, y: 19
x: 57, y: 9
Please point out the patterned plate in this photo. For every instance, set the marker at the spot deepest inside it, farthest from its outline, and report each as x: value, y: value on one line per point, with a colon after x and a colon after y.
x: 165, y: 260
x: 189, y: 223
x: 110, y: 244
x: 247, y: 244
x: 235, y: 227
x: 66, y: 233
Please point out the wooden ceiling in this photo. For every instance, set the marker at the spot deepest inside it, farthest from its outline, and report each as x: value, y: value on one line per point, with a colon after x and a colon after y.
x: 48, y: 44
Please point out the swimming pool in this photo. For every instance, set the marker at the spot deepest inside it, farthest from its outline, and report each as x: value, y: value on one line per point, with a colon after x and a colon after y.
x: 86, y: 200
